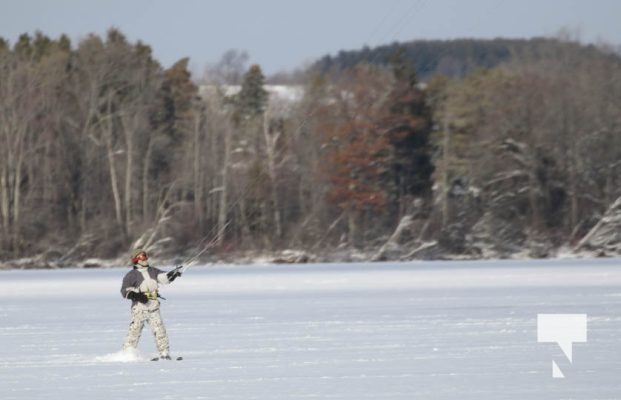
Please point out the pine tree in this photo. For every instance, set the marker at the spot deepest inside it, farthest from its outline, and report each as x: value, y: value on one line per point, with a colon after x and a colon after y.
x: 23, y: 47
x: 64, y: 43
x: 408, y: 125
x: 251, y: 101
x: 41, y: 45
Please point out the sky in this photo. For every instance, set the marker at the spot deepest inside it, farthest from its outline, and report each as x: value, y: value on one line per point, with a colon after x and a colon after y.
x: 281, y: 35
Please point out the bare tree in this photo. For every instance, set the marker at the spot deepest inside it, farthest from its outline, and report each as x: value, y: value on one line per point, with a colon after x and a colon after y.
x: 229, y: 70
x: 271, y: 134
x: 20, y: 104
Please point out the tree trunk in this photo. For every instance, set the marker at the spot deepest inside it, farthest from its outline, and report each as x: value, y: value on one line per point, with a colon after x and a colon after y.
x: 270, y: 147
x: 352, y: 226
x: 17, y: 196
x: 145, y: 179
x: 245, y: 229
x: 4, y: 201
x: 445, y: 172
x: 129, y: 138
x: 573, y: 174
x: 223, y: 208
x: 118, y: 207
x: 198, y: 181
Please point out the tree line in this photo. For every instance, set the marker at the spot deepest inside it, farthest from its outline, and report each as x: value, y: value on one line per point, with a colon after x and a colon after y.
x: 102, y: 149
x: 458, y: 57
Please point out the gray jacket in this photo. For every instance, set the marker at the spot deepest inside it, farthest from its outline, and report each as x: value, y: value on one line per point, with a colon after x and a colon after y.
x: 143, y: 279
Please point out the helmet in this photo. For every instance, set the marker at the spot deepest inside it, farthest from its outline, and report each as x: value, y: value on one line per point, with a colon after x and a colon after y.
x: 136, y: 253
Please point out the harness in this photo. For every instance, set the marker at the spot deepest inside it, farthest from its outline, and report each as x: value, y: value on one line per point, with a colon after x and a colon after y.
x: 154, y: 295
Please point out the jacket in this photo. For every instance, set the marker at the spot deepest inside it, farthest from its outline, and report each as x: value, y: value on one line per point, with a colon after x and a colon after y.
x: 142, y: 279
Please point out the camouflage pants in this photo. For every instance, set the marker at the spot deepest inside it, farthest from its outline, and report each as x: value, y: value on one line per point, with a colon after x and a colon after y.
x: 153, y: 317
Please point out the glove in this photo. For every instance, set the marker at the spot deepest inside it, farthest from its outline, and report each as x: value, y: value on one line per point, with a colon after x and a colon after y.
x: 140, y: 297
x: 174, y: 274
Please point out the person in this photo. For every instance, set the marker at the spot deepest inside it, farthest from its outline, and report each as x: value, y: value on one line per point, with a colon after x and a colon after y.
x: 140, y: 285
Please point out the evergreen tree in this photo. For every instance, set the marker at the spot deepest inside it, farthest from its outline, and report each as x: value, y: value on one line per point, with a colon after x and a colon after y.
x: 23, y: 47
x: 41, y: 45
x: 408, y: 126
x: 115, y: 36
x: 64, y: 43
x: 251, y: 101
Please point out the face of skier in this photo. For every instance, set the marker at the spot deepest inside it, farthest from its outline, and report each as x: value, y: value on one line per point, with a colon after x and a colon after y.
x: 141, y: 259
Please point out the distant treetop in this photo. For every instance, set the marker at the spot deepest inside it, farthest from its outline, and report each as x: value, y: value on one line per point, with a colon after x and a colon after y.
x: 455, y: 58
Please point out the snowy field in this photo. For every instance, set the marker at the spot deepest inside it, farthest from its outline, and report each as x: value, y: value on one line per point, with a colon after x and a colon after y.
x: 427, y: 330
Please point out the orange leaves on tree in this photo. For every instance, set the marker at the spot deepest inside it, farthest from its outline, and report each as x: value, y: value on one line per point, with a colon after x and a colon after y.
x: 355, y: 151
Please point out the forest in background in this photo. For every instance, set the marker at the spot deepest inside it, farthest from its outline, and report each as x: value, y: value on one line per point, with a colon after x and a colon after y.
x: 482, y: 153
x: 460, y: 57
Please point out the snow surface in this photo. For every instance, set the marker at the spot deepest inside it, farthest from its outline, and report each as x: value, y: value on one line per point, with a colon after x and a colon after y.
x: 423, y: 330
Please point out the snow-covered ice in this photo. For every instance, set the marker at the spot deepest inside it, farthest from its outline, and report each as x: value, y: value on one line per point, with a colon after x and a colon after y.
x: 424, y: 330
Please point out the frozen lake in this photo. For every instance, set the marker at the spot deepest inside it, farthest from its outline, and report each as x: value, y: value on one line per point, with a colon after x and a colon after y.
x: 425, y: 330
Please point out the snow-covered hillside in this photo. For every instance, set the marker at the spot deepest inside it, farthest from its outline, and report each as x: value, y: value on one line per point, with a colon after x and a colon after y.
x: 341, y: 331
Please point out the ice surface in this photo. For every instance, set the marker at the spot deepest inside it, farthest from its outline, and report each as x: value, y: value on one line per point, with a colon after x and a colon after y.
x: 424, y: 330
